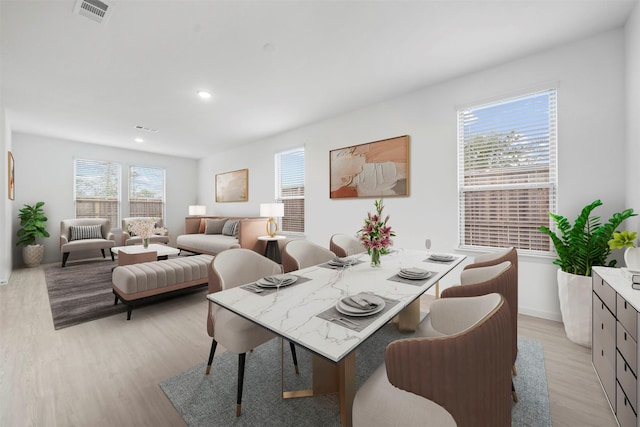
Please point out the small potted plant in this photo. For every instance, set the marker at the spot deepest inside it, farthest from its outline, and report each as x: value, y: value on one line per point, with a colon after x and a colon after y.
x: 579, y: 247
x: 32, y: 226
x: 622, y: 240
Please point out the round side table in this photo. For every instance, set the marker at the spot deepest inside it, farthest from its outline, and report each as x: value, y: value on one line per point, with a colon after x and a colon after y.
x: 272, y: 251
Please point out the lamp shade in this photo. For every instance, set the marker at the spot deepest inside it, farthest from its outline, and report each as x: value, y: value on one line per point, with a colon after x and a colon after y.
x: 197, y: 210
x: 272, y: 210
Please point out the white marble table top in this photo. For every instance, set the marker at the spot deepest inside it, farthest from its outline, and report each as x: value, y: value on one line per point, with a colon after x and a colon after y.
x: 291, y: 312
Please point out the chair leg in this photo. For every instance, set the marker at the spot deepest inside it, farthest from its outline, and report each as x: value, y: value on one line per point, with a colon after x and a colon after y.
x: 65, y: 257
x: 241, y: 359
x: 214, y: 344
x: 103, y: 255
x: 295, y: 358
x: 514, y: 395
x: 112, y: 257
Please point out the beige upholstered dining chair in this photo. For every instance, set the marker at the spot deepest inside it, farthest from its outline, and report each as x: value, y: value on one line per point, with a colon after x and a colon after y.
x: 493, y: 276
x: 229, y: 269
x: 458, y: 378
x: 301, y: 253
x: 343, y: 245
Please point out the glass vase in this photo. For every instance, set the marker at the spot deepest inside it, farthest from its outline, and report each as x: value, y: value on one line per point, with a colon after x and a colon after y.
x: 375, y: 258
x: 145, y: 243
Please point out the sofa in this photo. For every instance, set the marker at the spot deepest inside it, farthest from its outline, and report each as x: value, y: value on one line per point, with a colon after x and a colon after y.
x: 214, y: 234
x: 85, y: 234
x: 128, y: 239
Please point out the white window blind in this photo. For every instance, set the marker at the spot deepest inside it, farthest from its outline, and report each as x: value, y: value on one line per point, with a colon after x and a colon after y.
x: 507, y: 172
x: 146, y: 191
x: 290, y: 188
x: 97, y: 190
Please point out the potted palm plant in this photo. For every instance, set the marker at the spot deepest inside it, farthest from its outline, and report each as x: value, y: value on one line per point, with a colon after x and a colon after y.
x: 32, y: 226
x: 579, y: 247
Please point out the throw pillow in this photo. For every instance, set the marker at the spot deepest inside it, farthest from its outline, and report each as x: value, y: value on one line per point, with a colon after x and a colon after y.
x: 214, y: 226
x: 202, y: 226
x: 81, y: 232
x: 230, y: 228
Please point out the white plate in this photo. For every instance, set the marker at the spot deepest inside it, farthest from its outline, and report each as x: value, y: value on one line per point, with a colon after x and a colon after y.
x: 442, y: 257
x: 353, y: 311
x: 410, y: 276
x: 289, y: 280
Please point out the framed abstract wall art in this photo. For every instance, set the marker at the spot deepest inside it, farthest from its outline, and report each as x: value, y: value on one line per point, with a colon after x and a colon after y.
x: 374, y: 169
x: 232, y: 186
x: 11, y: 176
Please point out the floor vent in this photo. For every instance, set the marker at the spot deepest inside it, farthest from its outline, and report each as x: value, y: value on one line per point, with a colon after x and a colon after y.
x: 95, y: 10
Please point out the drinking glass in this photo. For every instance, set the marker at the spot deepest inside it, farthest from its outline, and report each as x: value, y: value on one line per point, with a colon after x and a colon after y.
x: 278, y: 276
x: 427, y: 244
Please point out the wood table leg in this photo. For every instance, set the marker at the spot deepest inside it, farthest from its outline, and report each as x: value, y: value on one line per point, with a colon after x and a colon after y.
x: 409, y: 317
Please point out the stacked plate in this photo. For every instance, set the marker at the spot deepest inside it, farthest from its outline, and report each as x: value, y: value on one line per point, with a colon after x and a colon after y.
x: 272, y: 281
x: 414, y: 273
x: 341, y: 262
x: 360, y: 305
x: 442, y: 257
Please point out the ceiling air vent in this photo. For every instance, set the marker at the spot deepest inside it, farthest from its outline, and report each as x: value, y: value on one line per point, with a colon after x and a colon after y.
x: 93, y: 9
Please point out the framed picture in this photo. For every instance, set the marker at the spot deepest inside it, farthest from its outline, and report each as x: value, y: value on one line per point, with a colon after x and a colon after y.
x: 232, y: 186
x: 12, y: 177
x: 374, y: 169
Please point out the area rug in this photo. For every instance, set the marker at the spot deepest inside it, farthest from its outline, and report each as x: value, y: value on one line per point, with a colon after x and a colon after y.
x: 81, y: 292
x: 210, y: 400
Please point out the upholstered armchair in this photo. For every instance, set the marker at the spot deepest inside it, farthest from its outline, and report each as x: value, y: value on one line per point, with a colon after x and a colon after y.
x: 229, y: 269
x: 343, y: 245
x: 458, y: 378
x: 128, y: 239
x: 301, y: 253
x: 85, y: 234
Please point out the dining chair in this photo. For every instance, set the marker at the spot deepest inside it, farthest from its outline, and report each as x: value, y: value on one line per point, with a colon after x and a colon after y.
x: 344, y: 245
x: 500, y: 278
x: 459, y: 378
x: 301, y: 253
x: 229, y: 269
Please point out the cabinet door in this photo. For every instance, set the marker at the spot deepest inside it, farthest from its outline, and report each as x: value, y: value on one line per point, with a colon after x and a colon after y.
x: 603, y: 350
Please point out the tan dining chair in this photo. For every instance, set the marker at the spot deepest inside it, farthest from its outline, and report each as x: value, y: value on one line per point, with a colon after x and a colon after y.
x: 458, y: 378
x: 500, y: 278
x: 301, y: 253
x: 229, y: 269
x: 344, y: 245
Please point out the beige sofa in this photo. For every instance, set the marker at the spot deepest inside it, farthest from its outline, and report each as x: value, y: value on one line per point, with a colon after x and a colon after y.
x: 202, y: 240
x: 128, y: 239
x: 80, y: 234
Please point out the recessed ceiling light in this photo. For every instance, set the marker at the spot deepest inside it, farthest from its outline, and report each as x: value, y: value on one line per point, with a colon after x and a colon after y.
x: 139, y: 140
x: 204, y: 94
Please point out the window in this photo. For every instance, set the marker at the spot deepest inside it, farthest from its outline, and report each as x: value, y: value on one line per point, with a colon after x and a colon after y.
x: 290, y: 189
x: 146, y: 191
x: 507, y: 173
x: 97, y: 190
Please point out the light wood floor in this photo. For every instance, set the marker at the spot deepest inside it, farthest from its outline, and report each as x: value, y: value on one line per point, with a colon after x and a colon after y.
x: 106, y: 372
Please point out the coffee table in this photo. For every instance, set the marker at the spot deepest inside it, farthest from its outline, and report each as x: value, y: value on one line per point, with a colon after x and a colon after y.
x: 163, y: 250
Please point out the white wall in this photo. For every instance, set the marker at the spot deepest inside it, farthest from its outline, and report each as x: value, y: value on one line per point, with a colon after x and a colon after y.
x: 44, y: 171
x: 590, y: 79
x: 5, y: 203
x: 632, y: 39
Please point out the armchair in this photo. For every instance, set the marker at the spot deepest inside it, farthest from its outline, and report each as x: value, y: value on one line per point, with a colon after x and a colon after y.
x: 84, y: 234
x: 343, y: 245
x: 301, y: 253
x: 460, y: 378
x: 128, y: 239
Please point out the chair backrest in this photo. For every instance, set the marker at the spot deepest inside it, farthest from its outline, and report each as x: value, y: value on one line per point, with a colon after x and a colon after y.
x: 450, y: 316
x: 500, y: 278
x: 235, y: 267
x: 509, y: 254
x: 301, y: 253
x: 128, y: 259
x: 467, y: 373
x: 343, y: 245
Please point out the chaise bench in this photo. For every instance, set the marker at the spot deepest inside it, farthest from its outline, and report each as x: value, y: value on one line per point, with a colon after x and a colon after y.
x: 137, y: 283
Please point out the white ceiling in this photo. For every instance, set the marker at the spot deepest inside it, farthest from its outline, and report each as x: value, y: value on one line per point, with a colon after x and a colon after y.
x: 66, y: 76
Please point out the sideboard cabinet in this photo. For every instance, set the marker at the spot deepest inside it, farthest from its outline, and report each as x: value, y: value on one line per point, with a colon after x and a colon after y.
x: 614, y: 351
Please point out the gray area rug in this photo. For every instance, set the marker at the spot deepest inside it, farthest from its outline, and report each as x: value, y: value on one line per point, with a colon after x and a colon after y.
x: 210, y: 400
x: 81, y: 292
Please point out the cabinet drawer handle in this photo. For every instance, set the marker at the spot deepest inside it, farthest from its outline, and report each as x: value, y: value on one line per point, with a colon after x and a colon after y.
x: 625, y: 305
x: 602, y: 326
x: 625, y: 367
x: 625, y: 336
x: 602, y: 351
x: 625, y: 401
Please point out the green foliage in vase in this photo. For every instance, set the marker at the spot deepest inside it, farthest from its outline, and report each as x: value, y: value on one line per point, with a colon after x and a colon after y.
x: 32, y: 223
x: 585, y: 243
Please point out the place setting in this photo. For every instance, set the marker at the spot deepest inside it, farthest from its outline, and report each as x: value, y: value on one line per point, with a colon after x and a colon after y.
x: 270, y: 284
x: 442, y: 258
x: 412, y: 276
x: 343, y: 262
x: 357, y: 311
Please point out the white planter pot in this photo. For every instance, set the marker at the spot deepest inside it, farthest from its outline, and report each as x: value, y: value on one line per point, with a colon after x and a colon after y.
x: 632, y: 258
x: 575, y: 306
x: 32, y: 255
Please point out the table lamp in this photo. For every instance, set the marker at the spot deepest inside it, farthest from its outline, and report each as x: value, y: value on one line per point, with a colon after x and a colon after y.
x: 197, y: 210
x: 271, y: 211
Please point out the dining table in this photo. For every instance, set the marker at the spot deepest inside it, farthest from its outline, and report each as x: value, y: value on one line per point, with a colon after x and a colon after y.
x: 311, y: 312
